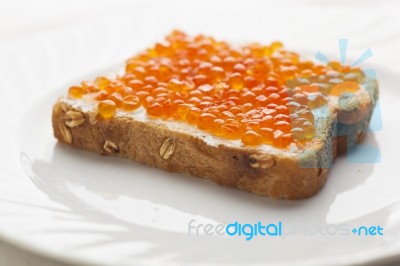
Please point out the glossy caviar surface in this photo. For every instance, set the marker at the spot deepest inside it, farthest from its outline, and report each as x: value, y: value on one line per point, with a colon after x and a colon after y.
x: 260, y: 94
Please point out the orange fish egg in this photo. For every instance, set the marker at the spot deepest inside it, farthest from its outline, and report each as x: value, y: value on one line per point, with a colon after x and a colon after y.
x: 259, y: 94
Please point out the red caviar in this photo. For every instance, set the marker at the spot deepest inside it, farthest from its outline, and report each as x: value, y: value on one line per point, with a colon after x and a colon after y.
x: 260, y: 94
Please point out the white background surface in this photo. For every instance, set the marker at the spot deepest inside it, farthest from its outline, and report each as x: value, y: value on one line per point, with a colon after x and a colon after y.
x: 29, y: 32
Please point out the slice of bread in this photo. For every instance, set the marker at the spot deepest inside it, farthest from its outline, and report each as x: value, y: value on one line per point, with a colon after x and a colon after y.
x: 289, y: 173
x: 257, y: 117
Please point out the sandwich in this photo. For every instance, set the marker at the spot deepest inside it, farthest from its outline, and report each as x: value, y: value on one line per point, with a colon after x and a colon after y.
x: 258, y: 117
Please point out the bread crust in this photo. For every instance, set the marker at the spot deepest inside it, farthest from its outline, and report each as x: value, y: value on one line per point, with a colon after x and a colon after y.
x: 275, y: 176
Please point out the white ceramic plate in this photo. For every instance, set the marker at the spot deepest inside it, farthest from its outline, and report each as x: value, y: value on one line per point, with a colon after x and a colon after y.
x: 79, y: 207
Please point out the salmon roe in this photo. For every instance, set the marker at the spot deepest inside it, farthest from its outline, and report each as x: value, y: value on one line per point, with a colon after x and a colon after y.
x: 259, y: 94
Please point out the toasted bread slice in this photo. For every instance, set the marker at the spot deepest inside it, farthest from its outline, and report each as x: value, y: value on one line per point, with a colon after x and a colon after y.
x: 290, y: 173
x: 257, y: 118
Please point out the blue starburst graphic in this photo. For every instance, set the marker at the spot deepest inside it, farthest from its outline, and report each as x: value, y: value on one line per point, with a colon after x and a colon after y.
x: 361, y: 153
